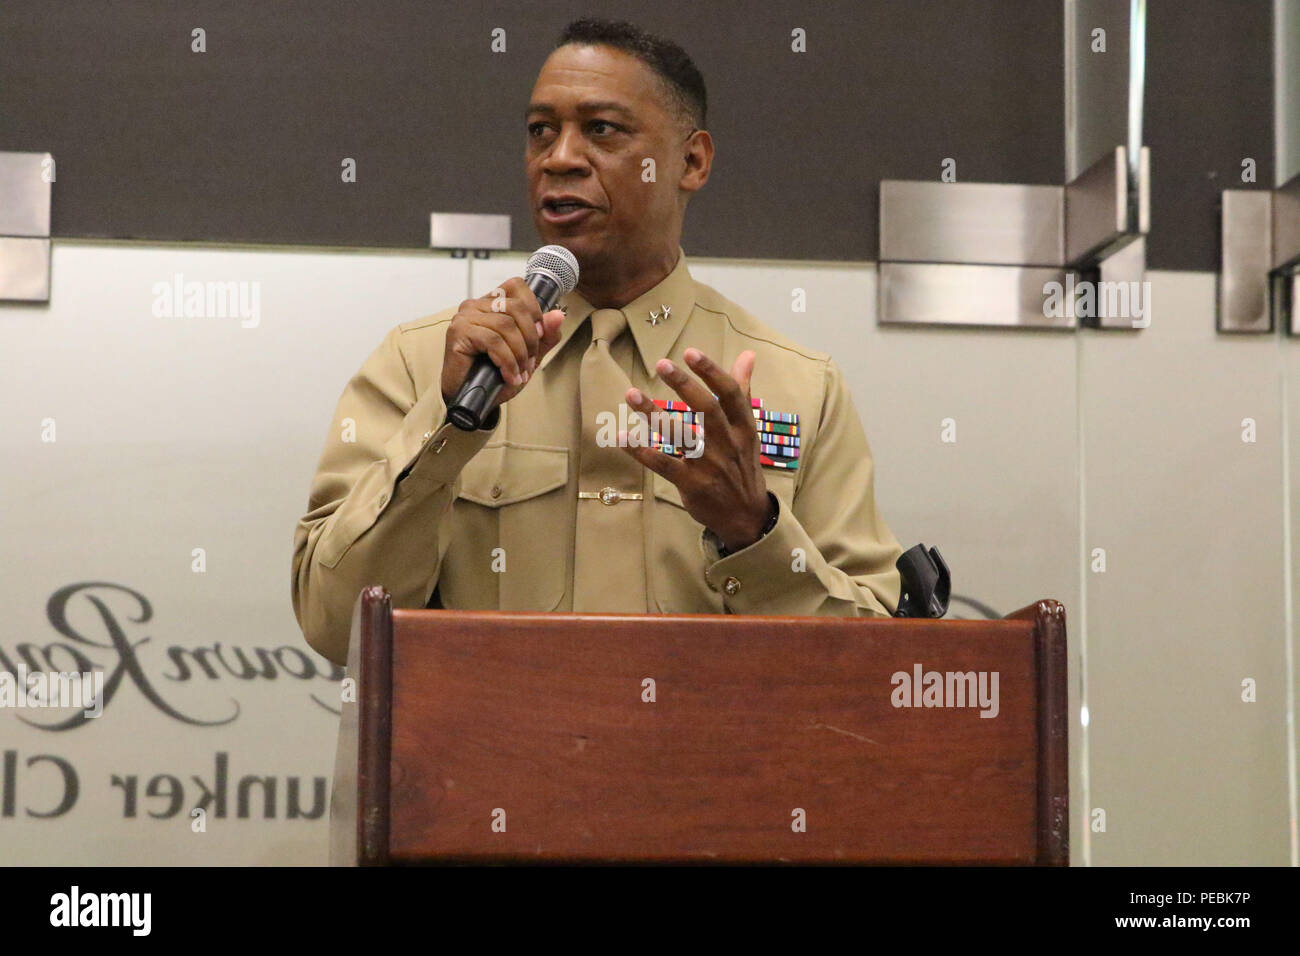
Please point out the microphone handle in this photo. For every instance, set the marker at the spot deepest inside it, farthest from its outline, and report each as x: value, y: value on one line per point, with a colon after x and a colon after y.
x: 481, y: 386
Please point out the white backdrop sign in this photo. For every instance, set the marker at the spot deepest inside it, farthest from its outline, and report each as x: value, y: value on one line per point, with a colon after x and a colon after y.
x: 161, y: 421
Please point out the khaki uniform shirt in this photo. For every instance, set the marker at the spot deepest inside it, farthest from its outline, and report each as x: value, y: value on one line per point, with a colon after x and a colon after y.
x: 430, y: 538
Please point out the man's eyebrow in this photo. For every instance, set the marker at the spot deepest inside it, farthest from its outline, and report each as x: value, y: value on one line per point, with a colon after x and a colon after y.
x: 588, y: 106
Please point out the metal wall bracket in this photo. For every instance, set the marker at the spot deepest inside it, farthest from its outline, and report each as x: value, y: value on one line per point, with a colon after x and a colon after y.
x: 1259, y: 271
x: 995, y: 254
x: 469, y: 232
x: 25, y: 187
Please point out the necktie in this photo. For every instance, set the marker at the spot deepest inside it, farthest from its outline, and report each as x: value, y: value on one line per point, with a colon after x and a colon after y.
x: 609, y: 551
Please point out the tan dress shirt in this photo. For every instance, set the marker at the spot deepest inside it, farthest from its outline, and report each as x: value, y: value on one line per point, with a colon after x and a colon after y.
x: 487, y: 519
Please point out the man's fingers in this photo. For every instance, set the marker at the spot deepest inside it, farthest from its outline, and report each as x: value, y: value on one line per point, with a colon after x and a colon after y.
x: 550, y: 332
x: 731, y: 396
x: 484, y: 339
x: 637, y: 399
x: 688, y: 387
x: 657, y: 461
x: 743, y: 370
x: 516, y: 311
x: 661, y: 464
x: 517, y: 291
x: 688, y: 437
x: 525, y: 323
x: 506, y: 325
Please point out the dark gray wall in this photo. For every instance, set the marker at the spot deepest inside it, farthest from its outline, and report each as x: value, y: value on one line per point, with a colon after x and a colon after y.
x: 243, y: 143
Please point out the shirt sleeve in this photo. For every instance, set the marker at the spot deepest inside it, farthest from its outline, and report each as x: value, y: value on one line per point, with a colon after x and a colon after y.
x: 832, y: 554
x: 379, y: 501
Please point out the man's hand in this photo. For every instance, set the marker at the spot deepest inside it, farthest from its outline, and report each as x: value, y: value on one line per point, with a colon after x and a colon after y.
x: 508, y: 325
x: 723, y: 488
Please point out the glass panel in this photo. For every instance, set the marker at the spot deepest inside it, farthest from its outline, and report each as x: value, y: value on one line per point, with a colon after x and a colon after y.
x: 1105, y: 64
x: 1286, y: 59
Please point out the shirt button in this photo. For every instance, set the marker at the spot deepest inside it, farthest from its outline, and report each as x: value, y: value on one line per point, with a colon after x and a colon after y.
x: 731, y: 585
x: 496, y: 491
x: 427, y: 436
x: 383, y: 499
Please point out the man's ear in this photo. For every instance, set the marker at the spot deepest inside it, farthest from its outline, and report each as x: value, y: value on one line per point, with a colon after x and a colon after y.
x: 697, y: 160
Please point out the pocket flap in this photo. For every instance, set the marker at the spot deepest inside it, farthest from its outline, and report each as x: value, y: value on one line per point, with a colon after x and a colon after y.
x: 780, y: 483
x: 504, y: 473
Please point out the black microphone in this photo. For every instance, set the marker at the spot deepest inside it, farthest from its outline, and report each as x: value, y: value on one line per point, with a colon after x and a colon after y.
x: 551, y: 273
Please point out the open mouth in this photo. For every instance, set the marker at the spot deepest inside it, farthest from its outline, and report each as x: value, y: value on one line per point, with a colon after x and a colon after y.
x: 563, y: 212
x: 562, y: 206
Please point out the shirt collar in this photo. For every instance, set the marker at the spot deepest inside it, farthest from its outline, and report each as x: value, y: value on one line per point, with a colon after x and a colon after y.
x: 653, y: 341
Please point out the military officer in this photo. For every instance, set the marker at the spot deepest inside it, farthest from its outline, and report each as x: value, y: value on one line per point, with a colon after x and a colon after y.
x: 753, y: 492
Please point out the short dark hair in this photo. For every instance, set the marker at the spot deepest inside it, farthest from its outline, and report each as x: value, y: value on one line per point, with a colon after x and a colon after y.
x: 684, y: 82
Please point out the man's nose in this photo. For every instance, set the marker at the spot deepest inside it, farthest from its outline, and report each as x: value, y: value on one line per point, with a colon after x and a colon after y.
x: 567, y: 153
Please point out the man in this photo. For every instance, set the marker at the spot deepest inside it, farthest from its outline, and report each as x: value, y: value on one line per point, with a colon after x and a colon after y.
x: 559, y: 502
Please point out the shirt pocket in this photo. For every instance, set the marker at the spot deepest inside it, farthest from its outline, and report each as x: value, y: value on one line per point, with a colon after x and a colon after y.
x: 677, y: 560
x: 511, y: 496
x: 779, y: 481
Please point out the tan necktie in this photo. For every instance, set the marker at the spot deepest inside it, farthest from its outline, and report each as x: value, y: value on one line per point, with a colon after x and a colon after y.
x: 609, y: 552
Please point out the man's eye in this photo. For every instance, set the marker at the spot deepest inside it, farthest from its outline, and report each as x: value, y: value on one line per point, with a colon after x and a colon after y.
x: 535, y: 129
x: 604, y: 127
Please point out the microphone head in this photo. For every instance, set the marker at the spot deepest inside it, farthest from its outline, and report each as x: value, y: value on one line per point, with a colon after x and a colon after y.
x: 557, y: 262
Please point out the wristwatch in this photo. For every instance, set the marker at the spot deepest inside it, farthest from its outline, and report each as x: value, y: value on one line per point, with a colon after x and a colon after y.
x: 771, y: 523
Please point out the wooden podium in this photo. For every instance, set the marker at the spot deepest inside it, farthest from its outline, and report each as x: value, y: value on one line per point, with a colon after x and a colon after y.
x: 514, y: 737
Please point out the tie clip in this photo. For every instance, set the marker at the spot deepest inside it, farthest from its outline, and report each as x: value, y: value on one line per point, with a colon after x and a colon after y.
x: 611, y: 496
